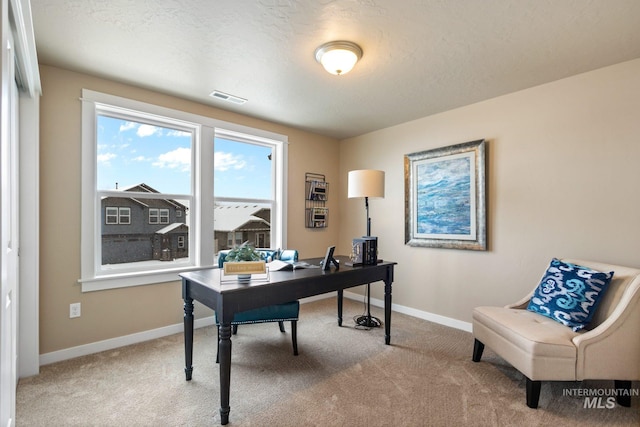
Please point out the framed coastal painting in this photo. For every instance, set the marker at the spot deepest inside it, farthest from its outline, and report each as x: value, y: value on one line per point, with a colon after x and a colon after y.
x: 445, y: 197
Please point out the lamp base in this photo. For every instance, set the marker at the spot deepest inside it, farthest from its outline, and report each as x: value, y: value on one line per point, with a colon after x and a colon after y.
x: 368, y: 321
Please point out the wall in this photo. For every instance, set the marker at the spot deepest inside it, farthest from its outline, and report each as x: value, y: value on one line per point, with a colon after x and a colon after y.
x: 119, y: 312
x: 562, y: 180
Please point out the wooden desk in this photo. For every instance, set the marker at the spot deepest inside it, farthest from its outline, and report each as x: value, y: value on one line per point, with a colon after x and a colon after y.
x: 231, y: 297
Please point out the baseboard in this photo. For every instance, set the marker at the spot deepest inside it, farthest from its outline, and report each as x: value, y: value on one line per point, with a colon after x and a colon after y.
x: 425, y: 315
x: 110, y: 344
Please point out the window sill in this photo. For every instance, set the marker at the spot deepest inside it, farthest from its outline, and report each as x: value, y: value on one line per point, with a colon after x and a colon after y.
x: 125, y: 280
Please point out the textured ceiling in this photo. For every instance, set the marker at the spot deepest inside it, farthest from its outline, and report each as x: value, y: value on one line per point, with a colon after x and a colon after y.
x: 420, y: 56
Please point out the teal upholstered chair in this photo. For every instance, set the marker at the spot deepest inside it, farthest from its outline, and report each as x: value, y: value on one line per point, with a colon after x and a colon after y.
x: 280, y: 313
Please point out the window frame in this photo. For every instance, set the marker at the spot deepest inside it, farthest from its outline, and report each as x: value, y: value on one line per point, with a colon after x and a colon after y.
x: 118, y: 215
x: 114, y: 215
x: 201, y: 250
x: 159, y: 216
x: 121, y: 215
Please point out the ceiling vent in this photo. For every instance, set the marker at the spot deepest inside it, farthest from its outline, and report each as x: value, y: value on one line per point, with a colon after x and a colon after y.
x: 226, y: 97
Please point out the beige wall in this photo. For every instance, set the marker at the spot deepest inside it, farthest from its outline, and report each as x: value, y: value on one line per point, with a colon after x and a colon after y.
x: 114, y: 313
x: 563, y: 179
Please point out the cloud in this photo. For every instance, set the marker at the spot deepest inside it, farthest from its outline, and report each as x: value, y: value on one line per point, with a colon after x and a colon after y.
x: 148, y: 130
x: 179, y: 133
x: 141, y: 159
x: 224, y: 161
x: 106, y: 158
x: 127, y: 126
x: 180, y: 159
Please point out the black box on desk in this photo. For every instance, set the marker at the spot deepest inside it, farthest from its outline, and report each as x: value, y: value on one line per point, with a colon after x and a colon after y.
x: 370, y: 250
x: 364, y: 251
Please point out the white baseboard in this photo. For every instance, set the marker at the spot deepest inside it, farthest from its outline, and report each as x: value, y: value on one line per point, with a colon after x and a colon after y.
x: 110, y: 344
x: 431, y: 317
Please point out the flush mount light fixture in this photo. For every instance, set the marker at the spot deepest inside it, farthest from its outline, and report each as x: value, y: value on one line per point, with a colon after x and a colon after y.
x: 338, y: 57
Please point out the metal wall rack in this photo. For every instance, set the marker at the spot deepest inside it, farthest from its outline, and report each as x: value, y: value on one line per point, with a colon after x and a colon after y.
x: 315, y: 199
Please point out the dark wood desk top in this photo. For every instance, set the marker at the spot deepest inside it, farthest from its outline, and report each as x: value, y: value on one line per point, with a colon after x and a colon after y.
x: 208, y: 287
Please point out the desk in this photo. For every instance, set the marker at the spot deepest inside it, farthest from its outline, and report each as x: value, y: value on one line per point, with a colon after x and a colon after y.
x: 231, y: 297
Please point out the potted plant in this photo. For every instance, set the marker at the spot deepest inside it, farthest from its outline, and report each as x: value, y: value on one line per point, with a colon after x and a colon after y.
x: 244, y: 253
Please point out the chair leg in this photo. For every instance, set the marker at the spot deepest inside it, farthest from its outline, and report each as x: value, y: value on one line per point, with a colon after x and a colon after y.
x: 478, y: 348
x: 533, y: 393
x: 623, y: 395
x: 294, y: 337
x: 234, y: 329
x: 281, y: 325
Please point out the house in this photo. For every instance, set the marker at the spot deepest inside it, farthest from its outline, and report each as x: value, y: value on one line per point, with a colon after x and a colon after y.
x: 136, y: 230
x: 562, y: 175
x: 235, y: 223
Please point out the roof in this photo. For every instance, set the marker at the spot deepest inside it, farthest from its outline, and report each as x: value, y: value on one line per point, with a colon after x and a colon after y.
x: 171, y: 227
x: 144, y: 188
x: 237, y: 217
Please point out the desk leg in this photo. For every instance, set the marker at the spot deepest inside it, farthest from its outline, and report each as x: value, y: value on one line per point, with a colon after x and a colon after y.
x: 387, y: 311
x: 188, y: 337
x: 225, y: 371
x: 340, y: 293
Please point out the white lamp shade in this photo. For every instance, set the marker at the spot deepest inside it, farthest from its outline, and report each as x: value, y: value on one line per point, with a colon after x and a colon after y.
x: 366, y: 183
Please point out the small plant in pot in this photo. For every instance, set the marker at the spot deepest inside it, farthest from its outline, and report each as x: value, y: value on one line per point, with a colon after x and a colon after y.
x: 244, y: 252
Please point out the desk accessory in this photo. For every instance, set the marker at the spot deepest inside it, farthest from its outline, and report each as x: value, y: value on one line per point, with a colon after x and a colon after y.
x: 329, y: 259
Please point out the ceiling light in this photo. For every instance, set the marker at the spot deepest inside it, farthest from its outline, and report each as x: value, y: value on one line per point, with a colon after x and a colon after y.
x: 338, y: 57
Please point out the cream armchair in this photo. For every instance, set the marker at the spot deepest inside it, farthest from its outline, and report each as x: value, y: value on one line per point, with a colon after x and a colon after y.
x: 544, y: 350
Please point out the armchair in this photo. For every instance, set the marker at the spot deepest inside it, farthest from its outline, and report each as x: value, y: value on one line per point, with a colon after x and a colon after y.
x: 280, y: 313
x: 543, y: 349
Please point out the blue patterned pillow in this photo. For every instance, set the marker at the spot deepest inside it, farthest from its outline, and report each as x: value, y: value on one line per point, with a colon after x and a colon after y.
x: 569, y: 293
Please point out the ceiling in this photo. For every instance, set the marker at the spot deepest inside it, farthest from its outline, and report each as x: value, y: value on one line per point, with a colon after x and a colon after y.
x: 421, y: 57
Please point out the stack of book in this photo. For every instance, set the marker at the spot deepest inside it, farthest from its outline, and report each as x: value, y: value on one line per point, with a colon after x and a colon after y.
x: 364, y: 251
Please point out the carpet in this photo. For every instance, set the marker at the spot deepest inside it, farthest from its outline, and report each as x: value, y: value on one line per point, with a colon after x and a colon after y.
x: 344, y: 376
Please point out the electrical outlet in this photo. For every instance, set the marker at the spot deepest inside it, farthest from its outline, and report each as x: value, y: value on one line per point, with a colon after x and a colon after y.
x: 74, y: 310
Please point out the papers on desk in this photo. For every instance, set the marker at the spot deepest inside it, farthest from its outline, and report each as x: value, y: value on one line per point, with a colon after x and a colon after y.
x: 277, y: 265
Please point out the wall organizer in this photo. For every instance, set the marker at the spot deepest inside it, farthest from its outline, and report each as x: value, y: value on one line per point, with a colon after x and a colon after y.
x: 316, y: 195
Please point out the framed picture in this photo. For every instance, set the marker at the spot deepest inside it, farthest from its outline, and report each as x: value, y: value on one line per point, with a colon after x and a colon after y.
x: 445, y: 197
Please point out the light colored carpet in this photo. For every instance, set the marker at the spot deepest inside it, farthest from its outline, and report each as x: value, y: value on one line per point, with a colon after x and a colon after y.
x: 342, y: 377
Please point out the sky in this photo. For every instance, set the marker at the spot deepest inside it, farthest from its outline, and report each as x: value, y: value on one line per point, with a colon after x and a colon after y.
x: 130, y: 153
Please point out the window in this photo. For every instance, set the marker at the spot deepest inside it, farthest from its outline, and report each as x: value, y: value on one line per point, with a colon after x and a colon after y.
x: 124, y: 215
x: 233, y: 239
x: 244, y: 190
x: 115, y: 215
x: 155, y: 169
x: 159, y: 216
x: 111, y: 215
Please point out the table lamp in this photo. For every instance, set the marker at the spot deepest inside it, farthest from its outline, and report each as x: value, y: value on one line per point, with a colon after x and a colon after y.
x: 366, y: 183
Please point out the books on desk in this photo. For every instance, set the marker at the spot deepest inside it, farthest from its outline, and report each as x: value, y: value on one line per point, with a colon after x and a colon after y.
x: 277, y: 265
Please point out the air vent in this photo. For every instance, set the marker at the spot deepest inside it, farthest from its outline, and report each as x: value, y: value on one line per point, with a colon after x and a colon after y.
x: 226, y: 97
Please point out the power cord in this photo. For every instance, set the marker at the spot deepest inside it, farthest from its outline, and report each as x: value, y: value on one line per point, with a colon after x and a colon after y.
x: 366, y: 321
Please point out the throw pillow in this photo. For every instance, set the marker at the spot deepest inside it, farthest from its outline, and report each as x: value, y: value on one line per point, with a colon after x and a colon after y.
x: 569, y: 293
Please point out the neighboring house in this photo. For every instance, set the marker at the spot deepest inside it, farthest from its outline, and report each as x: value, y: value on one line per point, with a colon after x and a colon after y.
x: 143, y: 229
x: 234, y: 224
